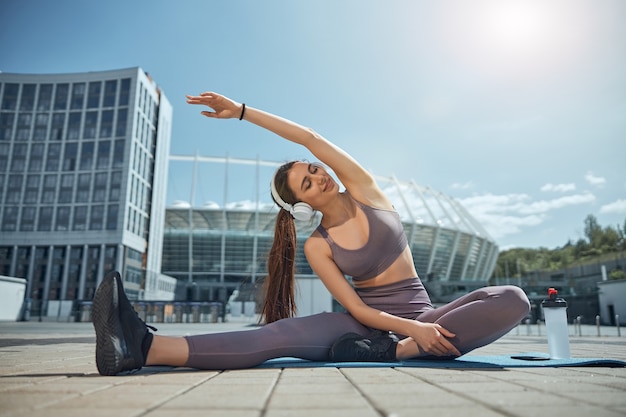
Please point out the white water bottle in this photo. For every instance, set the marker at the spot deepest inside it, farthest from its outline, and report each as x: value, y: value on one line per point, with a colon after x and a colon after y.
x: 554, y: 311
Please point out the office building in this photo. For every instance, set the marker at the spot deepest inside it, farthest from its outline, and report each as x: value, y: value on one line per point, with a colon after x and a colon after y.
x: 83, y: 172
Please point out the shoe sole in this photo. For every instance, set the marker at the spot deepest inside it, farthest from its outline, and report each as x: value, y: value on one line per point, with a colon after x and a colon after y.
x: 104, y: 312
x: 338, y: 357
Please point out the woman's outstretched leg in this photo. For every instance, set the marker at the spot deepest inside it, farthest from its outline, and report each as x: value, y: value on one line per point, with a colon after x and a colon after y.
x: 477, y: 318
x: 303, y: 337
x: 123, y: 342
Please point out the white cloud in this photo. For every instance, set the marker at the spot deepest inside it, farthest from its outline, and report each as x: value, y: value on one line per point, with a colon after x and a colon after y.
x: 562, y: 188
x: 557, y: 203
x: 507, y: 214
x: 594, y: 180
x: 462, y: 186
x: 618, y: 207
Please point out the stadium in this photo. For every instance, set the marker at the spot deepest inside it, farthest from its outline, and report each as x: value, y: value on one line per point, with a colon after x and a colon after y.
x: 217, y: 249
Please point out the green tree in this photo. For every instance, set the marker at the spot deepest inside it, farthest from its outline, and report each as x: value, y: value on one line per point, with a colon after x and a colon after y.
x: 593, y: 231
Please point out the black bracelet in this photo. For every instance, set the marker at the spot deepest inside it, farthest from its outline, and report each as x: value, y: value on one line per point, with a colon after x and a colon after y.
x: 243, y: 110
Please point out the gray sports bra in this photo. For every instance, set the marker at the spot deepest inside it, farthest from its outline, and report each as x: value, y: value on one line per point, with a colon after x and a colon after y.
x: 385, y: 243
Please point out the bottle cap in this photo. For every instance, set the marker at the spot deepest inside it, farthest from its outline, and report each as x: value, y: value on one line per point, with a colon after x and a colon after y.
x: 552, y: 301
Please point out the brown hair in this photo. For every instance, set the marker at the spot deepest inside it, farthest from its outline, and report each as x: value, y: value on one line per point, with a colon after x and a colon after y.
x: 279, y: 300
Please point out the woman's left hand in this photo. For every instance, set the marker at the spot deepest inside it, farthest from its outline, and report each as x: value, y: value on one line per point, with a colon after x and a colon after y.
x: 223, y: 107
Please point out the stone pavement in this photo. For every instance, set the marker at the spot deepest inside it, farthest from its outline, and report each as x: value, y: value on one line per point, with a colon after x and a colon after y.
x: 48, y: 369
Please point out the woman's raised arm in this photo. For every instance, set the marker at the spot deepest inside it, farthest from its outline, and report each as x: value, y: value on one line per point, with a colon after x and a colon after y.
x: 353, y: 176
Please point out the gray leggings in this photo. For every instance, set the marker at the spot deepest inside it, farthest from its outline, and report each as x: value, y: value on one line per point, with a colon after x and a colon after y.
x: 477, y: 319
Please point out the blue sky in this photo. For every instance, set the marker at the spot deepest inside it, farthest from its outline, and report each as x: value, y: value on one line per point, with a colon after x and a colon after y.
x: 515, y: 108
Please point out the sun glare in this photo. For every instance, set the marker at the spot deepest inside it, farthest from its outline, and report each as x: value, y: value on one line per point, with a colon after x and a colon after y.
x: 514, y: 39
x: 516, y: 25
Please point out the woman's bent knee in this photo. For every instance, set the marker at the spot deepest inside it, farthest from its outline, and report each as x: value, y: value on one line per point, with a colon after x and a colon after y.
x: 516, y: 300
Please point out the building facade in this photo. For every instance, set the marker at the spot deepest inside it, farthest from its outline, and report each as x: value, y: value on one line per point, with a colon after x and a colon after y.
x: 83, y: 173
x: 221, y: 245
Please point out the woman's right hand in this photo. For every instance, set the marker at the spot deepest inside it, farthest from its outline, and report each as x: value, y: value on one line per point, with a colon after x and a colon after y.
x: 431, y: 338
x: 223, y: 107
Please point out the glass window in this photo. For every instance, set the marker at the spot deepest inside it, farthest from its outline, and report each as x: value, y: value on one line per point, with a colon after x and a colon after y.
x: 106, y: 124
x: 58, y: 124
x: 67, y: 181
x: 139, y: 125
x: 83, y: 188
x: 45, y: 97
x: 24, y: 121
x: 32, y: 189
x: 41, y: 120
x: 63, y: 218
x: 41, y: 127
x: 54, y: 157
x: 19, y: 150
x: 93, y: 97
x: 18, y: 165
x: 9, y: 100
x: 30, y: 196
x: 4, y: 156
x: 120, y: 129
x: 28, y: 97
x: 112, y: 217
x: 99, y: 195
x: 84, y: 180
x: 60, y: 98
x: 32, y: 181
x: 116, y: 178
x: 18, y: 160
x: 14, y: 189
x: 110, y: 91
x: 100, y: 186
x: 78, y: 96
x: 91, y: 122
x: 27, y: 223
x: 73, y: 125
x: 48, y: 196
x: 104, y: 154
x: 86, y: 155
x: 96, y: 218
x: 37, y: 149
x: 118, y: 153
x: 69, y: 157
x: 124, y: 92
x: 35, y: 162
x: 9, y: 221
x: 114, y: 189
x: 45, y: 219
x: 101, y: 179
x: 80, y: 218
x: 6, y: 125
x: 50, y: 181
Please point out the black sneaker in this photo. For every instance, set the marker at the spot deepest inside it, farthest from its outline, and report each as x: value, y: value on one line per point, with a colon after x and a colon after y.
x: 122, y: 338
x: 378, y: 346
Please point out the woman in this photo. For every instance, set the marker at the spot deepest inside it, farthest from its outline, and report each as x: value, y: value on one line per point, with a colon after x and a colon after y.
x: 360, y: 235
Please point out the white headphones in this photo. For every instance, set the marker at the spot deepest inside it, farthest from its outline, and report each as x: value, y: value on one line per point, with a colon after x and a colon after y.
x: 299, y: 211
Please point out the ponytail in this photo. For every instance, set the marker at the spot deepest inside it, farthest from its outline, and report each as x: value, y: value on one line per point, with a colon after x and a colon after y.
x: 278, y: 287
x: 279, y: 300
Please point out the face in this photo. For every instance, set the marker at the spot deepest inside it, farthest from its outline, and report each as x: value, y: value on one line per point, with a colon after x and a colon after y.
x: 311, y: 183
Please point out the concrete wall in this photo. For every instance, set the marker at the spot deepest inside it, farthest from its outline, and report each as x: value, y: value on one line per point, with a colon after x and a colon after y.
x: 11, y: 297
x: 612, y: 298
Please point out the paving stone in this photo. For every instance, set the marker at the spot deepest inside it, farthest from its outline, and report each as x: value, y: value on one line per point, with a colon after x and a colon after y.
x: 563, y: 410
x: 340, y: 412
x: 61, y: 379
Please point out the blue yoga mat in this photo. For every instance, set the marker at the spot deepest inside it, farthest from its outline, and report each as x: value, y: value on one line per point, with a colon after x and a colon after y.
x: 523, y: 360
